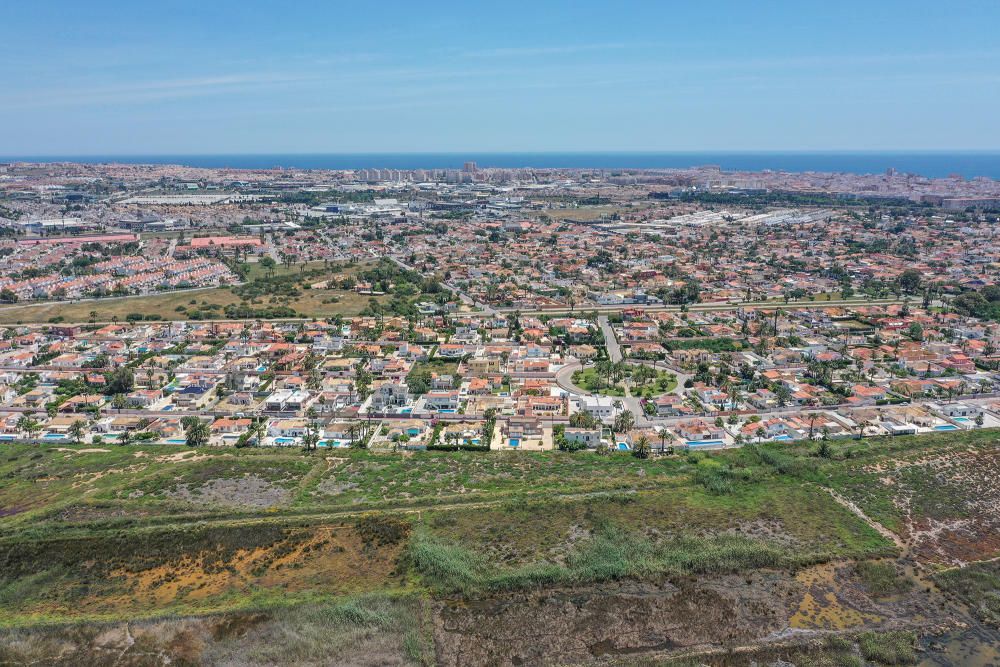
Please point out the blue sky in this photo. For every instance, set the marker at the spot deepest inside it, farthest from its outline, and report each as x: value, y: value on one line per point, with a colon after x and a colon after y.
x: 136, y: 77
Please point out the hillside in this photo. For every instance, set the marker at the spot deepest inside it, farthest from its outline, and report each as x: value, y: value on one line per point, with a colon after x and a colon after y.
x: 241, y: 556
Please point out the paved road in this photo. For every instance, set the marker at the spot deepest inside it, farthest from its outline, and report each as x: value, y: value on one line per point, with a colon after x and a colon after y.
x: 272, y: 250
x: 610, y: 341
x: 709, y: 307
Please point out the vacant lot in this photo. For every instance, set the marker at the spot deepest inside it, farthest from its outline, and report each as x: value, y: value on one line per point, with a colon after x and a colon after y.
x: 614, y: 555
x: 210, y: 302
x: 941, y: 495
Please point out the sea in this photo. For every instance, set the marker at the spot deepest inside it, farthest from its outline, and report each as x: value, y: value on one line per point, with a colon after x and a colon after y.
x: 942, y: 164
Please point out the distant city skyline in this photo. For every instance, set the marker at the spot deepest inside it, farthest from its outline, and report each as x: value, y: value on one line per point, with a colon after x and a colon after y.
x: 933, y: 164
x: 107, y: 78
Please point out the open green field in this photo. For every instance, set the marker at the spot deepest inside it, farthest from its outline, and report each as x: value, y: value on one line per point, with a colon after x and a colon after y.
x: 210, y: 302
x: 465, y: 544
x: 589, y: 212
x: 310, y: 304
x: 939, y: 494
x: 79, y: 502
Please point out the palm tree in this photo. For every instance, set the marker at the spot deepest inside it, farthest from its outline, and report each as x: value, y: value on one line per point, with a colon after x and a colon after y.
x: 25, y: 424
x: 310, y: 440
x: 640, y: 448
x: 259, y: 430
x: 77, y: 430
x: 624, y: 422
x: 197, y: 434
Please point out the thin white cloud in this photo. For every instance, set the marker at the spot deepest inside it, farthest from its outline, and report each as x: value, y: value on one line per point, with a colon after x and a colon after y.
x: 533, y: 51
x: 148, y: 91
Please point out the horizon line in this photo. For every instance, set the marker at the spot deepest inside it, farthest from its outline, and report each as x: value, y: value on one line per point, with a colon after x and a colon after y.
x: 797, y: 151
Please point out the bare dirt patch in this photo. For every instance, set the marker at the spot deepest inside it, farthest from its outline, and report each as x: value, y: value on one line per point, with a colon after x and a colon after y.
x: 333, y: 559
x: 91, y: 450
x: 189, y: 456
x: 248, y: 491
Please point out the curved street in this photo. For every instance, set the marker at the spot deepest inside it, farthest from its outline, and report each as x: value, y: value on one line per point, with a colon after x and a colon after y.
x: 564, y: 376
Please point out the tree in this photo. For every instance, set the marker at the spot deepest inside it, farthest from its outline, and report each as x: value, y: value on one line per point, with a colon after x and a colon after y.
x: 812, y: 424
x: 258, y: 430
x: 783, y: 394
x: 825, y: 450
x: 77, y: 430
x: 311, y: 438
x: 26, y: 424
x: 582, y: 419
x: 196, y: 433
x: 268, y: 264
x: 909, y: 280
x: 120, y: 381
x: 624, y: 422
x: 640, y: 448
x: 118, y: 402
x: 362, y: 380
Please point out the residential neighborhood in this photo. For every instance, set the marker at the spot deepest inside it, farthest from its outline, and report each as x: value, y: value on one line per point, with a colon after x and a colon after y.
x: 510, y: 382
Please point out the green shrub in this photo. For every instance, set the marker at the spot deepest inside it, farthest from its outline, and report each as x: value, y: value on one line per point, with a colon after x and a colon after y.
x: 611, y: 554
x: 888, y: 648
x: 445, y: 566
x: 881, y: 578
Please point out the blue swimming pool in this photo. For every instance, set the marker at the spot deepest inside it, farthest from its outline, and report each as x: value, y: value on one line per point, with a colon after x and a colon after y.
x: 7, y: 437
x: 283, y: 441
x: 167, y: 408
x: 623, y: 446
x: 53, y: 436
x: 405, y: 411
x: 705, y: 443
x: 333, y: 443
x: 515, y: 442
x: 447, y: 410
x: 783, y: 436
x: 176, y: 441
x: 946, y: 427
x: 964, y: 420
